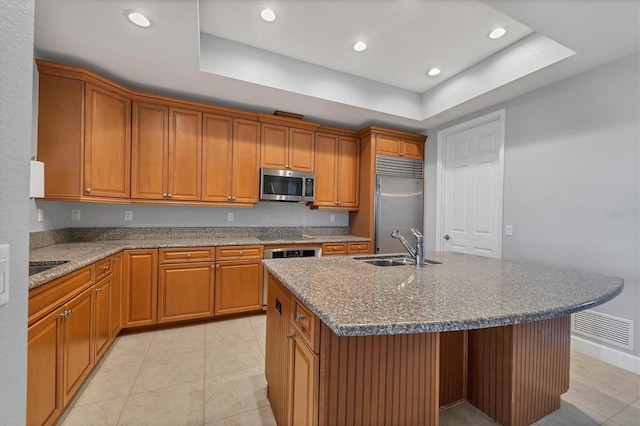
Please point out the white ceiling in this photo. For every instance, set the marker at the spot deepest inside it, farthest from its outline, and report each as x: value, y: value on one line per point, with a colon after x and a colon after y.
x: 220, y: 51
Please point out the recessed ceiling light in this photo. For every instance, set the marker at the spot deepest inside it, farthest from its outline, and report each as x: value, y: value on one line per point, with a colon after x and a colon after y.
x: 268, y: 15
x: 137, y: 18
x: 359, y: 46
x: 497, y: 33
x: 434, y: 71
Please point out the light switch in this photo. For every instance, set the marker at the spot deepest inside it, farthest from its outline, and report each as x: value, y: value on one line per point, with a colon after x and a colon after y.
x: 4, y: 273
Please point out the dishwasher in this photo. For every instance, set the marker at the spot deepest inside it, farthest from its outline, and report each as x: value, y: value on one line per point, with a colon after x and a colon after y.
x: 286, y: 253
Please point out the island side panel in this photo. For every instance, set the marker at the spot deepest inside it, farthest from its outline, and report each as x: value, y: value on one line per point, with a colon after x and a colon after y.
x: 518, y: 372
x: 375, y: 380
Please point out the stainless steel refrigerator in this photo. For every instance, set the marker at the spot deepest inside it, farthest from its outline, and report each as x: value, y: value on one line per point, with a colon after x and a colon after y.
x: 399, y: 201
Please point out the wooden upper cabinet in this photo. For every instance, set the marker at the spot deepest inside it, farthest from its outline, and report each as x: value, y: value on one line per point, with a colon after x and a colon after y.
x: 166, y: 158
x: 337, y: 168
x: 84, y: 135
x: 150, y: 151
x: 399, y: 147
x: 287, y: 148
x: 230, y: 159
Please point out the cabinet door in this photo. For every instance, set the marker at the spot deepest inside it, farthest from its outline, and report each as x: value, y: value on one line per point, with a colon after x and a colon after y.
x: 185, y: 154
x: 414, y: 150
x: 276, y: 362
x: 107, y: 143
x: 216, y: 157
x: 387, y: 145
x: 274, y: 146
x: 102, y: 315
x: 185, y: 291
x: 44, y: 369
x: 304, y: 383
x: 116, y: 295
x: 77, y: 353
x: 348, y: 182
x: 238, y: 286
x: 149, y: 151
x: 301, y: 150
x: 140, y: 275
x: 246, y: 151
x: 326, y: 170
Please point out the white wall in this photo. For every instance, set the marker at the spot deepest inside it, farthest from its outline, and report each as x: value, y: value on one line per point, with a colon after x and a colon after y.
x: 57, y: 215
x: 572, y: 183
x: 16, y: 70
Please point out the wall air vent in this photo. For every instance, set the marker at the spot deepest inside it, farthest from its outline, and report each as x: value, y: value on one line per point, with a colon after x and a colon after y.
x: 602, y: 327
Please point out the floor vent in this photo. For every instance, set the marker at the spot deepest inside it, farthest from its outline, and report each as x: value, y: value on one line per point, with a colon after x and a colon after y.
x: 605, y: 328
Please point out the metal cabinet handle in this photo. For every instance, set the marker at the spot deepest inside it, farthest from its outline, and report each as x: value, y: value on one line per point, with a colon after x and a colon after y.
x: 447, y: 237
x: 229, y: 197
x: 105, y: 268
x: 188, y: 255
x: 240, y: 252
x: 169, y: 195
x: 88, y: 190
x: 164, y: 195
x: 233, y: 198
x: 299, y: 317
x: 98, y: 289
x: 290, y: 335
x: 217, y: 265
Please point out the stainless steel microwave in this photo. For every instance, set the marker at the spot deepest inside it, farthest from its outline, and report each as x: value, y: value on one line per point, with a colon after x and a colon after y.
x: 287, y: 185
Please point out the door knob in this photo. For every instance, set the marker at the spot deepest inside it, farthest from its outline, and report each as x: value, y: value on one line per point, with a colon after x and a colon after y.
x: 447, y: 237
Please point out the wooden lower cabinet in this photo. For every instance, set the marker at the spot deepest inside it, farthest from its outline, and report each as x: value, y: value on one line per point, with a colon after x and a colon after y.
x: 185, y: 291
x: 140, y: 275
x: 103, y: 311
x: 303, y: 392
x: 116, y: 295
x: 44, y: 369
x: 238, y: 286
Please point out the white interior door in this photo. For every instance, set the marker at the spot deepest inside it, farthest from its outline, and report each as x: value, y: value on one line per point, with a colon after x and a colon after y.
x: 472, y: 157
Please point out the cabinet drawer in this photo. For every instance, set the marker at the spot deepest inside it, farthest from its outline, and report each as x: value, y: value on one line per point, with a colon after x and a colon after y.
x: 59, y: 291
x: 103, y: 268
x: 238, y: 252
x: 182, y: 255
x: 329, y: 249
x: 364, y: 247
x: 306, y: 323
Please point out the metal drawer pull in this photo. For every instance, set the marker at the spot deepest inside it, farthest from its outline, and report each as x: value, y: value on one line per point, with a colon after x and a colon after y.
x: 299, y: 317
x: 105, y: 268
x: 289, y: 336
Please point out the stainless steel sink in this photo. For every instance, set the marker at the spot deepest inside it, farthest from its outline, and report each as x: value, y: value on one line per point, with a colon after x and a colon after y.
x: 37, y: 267
x: 392, y: 261
x: 397, y: 261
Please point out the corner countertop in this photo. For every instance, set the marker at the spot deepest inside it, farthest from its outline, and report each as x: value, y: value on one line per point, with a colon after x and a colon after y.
x: 464, y: 292
x: 82, y: 254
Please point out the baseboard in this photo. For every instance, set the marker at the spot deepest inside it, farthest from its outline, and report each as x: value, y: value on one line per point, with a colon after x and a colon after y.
x: 605, y: 354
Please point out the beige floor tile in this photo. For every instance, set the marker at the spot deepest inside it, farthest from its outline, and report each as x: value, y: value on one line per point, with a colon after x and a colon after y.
x: 262, y: 416
x: 176, y: 340
x: 610, y: 380
x: 258, y: 324
x: 567, y: 415
x: 170, y: 370
x: 630, y: 416
x: 100, y: 413
x: 232, y: 356
x: 110, y: 382
x: 129, y: 347
x: 591, y: 401
x: 234, y: 393
x: 228, y: 331
x: 176, y: 405
x: 464, y: 414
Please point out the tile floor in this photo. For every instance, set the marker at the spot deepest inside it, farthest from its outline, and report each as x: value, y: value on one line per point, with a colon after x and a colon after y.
x: 213, y: 374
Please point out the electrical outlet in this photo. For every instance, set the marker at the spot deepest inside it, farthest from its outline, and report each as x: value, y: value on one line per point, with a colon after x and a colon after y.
x: 40, y: 215
x: 333, y: 217
x: 75, y: 214
x: 229, y: 217
x: 128, y: 215
x: 508, y: 230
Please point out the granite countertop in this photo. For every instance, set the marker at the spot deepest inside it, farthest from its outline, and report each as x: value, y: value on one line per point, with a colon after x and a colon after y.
x: 464, y: 292
x: 82, y: 254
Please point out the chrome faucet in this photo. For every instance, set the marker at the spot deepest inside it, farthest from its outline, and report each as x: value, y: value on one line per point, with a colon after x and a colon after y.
x: 417, y: 254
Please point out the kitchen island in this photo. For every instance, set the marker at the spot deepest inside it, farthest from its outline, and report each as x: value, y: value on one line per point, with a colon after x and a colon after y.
x: 353, y: 343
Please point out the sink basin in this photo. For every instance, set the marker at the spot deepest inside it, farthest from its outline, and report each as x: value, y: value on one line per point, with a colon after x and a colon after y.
x: 37, y: 267
x: 392, y: 261
x: 397, y: 261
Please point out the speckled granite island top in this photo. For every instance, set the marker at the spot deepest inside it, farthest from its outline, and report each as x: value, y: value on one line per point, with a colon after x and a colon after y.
x: 354, y: 298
